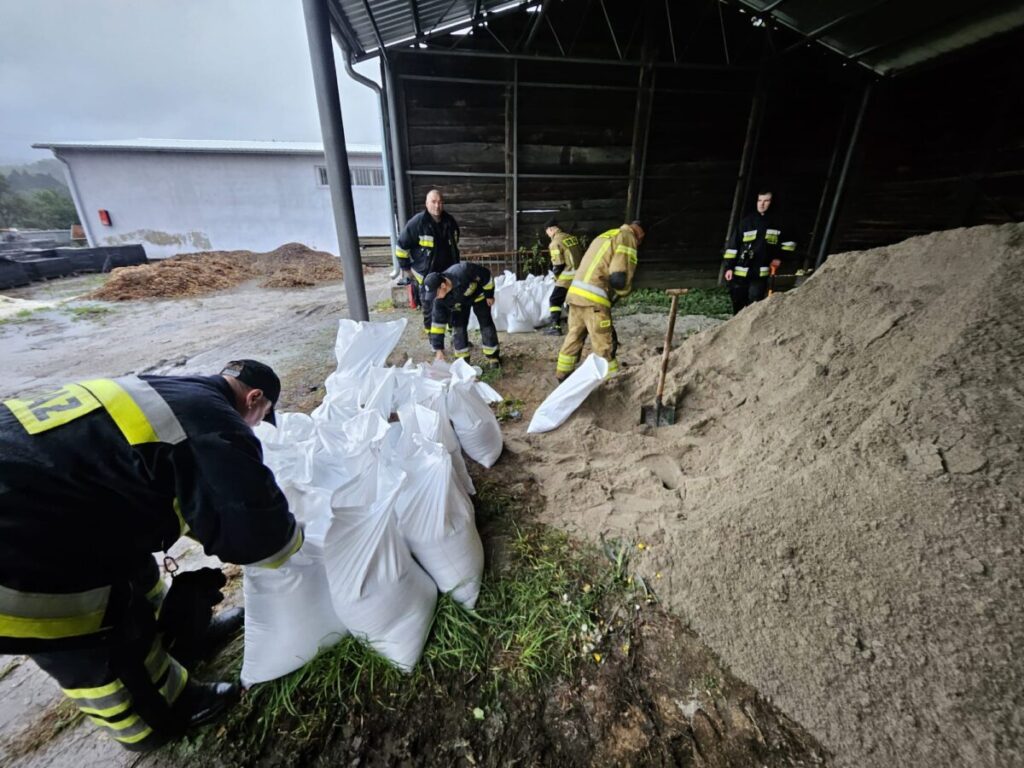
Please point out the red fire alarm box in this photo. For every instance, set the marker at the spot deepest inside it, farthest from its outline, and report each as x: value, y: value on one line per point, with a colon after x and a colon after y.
x: 105, y: 217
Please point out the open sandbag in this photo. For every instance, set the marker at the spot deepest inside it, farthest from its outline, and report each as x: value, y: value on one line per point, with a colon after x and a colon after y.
x: 569, y: 395
x: 360, y: 345
x: 475, y: 424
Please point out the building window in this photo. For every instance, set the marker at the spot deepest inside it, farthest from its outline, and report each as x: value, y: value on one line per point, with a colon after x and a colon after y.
x: 367, y: 177
x: 362, y: 176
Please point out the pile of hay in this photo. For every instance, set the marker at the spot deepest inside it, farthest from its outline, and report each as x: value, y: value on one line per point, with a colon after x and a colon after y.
x: 292, y: 265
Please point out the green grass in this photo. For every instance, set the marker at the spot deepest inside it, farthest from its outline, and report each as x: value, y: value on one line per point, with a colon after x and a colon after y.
x: 386, y: 305
x: 21, y: 316
x: 490, y: 373
x: 540, y: 615
x: 699, y: 301
x: 88, y: 311
x: 509, y: 410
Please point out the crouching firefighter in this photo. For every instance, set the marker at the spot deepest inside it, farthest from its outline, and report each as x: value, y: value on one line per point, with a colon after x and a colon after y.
x: 454, y: 293
x: 604, y: 275
x: 94, y: 478
x: 565, y: 253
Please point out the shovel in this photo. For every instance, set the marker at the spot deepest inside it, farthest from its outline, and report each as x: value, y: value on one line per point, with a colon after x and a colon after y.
x: 658, y: 415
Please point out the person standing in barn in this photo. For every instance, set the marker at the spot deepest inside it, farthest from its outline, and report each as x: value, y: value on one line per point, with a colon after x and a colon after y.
x: 94, y: 478
x: 756, y: 253
x: 603, y: 277
x: 566, y: 251
x: 428, y: 243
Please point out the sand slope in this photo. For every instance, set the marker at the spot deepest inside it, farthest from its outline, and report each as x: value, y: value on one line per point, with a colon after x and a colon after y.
x: 838, y: 512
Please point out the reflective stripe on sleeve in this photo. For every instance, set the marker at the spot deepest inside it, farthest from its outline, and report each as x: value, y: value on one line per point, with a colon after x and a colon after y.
x: 789, y: 245
x: 280, y: 557
x: 438, y: 329
x: 51, y: 616
x: 741, y: 271
x: 401, y: 253
x: 730, y: 254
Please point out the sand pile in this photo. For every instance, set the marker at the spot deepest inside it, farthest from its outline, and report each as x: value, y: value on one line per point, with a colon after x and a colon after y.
x: 192, y: 274
x: 838, y: 512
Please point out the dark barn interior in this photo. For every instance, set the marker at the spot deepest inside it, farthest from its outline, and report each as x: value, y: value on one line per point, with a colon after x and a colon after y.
x: 870, y: 122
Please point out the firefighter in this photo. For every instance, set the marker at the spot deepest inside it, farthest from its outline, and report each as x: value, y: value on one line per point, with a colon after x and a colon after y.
x: 429, y: 243
x: 756, y: 252
x: 94, y: 478
x: 565, y: 252
x: 604, y: 275
x: 453, y: 293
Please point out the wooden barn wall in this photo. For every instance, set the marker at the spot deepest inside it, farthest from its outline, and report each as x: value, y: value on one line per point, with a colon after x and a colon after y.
x: 943, y: 148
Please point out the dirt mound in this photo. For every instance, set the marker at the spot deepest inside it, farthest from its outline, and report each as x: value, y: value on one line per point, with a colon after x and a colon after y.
x: 192, y: 274
x: 838, y: 512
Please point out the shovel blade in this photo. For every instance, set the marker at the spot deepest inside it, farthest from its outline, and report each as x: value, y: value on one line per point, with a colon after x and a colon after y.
x: 657, y: 416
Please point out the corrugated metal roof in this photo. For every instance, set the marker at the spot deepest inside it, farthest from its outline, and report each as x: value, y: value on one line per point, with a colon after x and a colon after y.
x: 208, y: 145
x: 893, y: 35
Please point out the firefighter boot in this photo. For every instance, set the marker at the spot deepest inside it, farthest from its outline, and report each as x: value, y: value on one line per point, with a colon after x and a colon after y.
x: 202, y: 703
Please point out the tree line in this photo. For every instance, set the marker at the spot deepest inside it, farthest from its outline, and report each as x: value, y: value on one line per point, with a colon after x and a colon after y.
x: 41, y: 209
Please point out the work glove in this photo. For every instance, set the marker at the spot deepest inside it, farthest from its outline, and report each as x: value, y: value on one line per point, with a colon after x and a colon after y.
x: 188, y: 608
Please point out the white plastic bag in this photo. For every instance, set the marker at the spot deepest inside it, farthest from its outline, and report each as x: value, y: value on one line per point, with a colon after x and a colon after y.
x: 361, y: 345
x: 436, y: 518
x: 474, y: 422
x: 381, y: 594
x: 569, y: 395
x: 289, y: 616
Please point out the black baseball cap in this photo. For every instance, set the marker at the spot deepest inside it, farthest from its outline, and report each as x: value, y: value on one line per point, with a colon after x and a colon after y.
x: 257, y: 375
x: 431, y: 281
x: 552, y: 222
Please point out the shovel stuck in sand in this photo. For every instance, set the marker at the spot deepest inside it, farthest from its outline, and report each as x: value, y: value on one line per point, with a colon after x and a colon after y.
x: 659, y: 415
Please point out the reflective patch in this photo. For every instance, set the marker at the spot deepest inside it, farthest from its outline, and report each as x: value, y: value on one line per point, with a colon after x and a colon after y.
x: 730, y: 254
x: 471, y: 290
x: 789, y: 245
x: 763, y: 271
x: 741, y: 271
x: 51, y: 616
x: 749, y: 236
x: 605, y: 324
x: 570, y: 241
x: 54, y: 408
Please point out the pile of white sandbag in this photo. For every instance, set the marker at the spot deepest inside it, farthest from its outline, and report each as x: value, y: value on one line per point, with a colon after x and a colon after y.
x: 519, y: 305
x: 377, y: 478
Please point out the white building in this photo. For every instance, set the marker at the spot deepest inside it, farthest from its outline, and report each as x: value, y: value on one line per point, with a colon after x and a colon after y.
x: 178, y: 196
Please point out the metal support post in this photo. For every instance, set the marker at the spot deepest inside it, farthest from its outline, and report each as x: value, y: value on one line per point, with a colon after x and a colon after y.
x: 398, y: 155
x: 325, y: 83
x: 515, y: 156
x: 826, y: 237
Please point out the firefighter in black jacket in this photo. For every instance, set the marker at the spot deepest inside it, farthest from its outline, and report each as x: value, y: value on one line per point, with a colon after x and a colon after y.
x: 757, y: 247
x: 453, y: 293
x: 94, y: 478
x: 429, y: 243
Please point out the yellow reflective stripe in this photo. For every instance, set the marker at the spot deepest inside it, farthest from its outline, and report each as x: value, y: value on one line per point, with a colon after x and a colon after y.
x: 749, y: 236
x: 53, y: 409
x: 175, y: 683
x: 555, y: 310
x: 401, y: 253
x: 730, y: 254
x: 598, y: 257
x: 489, y: 286
x: 136, y: 737
x: 462, y: 354
x: 157, y: 660
x: 741, y: 271
x: 183, y: 527
x: 489, y: 350
x: 123, y: 410
x: 604, y: 324
x: 280, y: 557
x: 613, y: 367
x: 439, y: 329
x: 481, y: 297
x: 157, y: 591
x: 610, y: 233
x: 418, y: 276
x: 566, y: 362
x: 789, y: 246
x: 93, y: 693
x: 50, y: 629
x: 128, y: 731
x: 109, y: 711
x: 763, y: 271
x: 625, y: 249
x: 424, y: 243
x: 590, y: 296
x: 553, y: 250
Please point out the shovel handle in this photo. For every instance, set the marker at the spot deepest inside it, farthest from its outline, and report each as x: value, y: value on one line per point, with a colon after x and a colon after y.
x: 675, y: 293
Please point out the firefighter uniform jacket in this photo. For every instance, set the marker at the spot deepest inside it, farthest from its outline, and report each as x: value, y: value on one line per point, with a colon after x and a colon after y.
x: 96, y: 476
x: 758, y: 241
x: 471, y: 284
x: 610, y: 252
x: 427, y: 246
x: 565, y: 253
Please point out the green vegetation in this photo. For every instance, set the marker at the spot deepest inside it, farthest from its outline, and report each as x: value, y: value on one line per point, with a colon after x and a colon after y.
x: 88, y: 311
x: 386, y: 305
x: 713, y: 302
x: 21, y: 316
x: 509, y: 410
x: 42, y: 209
x: 540, y: 615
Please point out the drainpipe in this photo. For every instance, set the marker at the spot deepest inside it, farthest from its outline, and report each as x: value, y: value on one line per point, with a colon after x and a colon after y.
x: 386, y: 151
x: 83, y: 216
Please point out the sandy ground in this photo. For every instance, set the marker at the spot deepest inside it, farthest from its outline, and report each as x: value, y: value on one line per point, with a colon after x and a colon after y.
x: 838, y: 510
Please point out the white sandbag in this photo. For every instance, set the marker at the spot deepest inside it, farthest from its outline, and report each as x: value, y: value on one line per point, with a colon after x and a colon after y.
x: 381, y: 594
x: 474, y: 422
x: 360, y: 345
x: 569, y: 395
x: 436, y: 518
x: 380, y: 391
x: 288, y: 447
x: 341, y: 401
x: 520, y: 320
x: 345, y: 456
x: 289, y: 616
x: 431, y: 420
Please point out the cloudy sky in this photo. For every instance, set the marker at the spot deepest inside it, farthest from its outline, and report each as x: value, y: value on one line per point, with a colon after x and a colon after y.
x: 179, y: 69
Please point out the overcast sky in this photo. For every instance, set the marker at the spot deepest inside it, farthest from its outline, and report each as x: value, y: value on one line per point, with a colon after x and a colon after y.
x: 178, y: 69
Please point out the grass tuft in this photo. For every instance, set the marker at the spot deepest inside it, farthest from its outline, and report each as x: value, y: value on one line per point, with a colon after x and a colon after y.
x: 713, y: 302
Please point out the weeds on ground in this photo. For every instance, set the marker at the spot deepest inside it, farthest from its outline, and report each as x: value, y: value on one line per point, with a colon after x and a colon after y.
x: 88, y: 311
x: 53, y: 721
x: 490, y: 374
x: 713, y: 302
x: 539, y: 616
x: 509, y: 410
x: 21, y: 316
x: 386, y: 305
